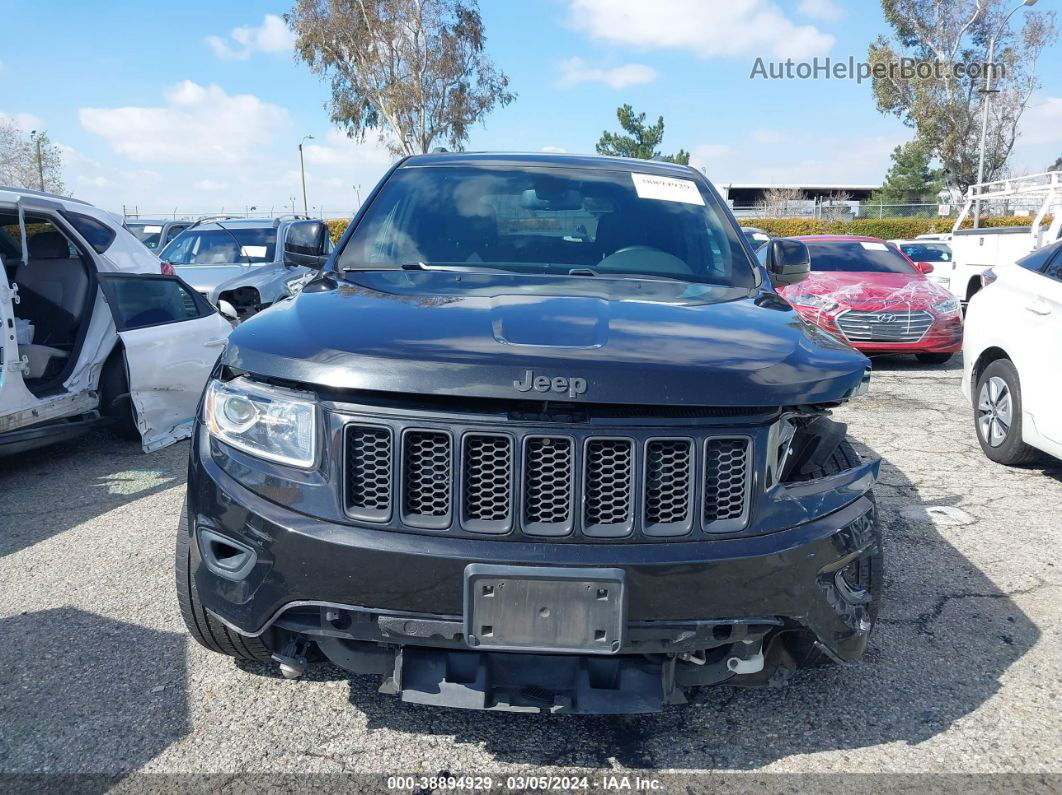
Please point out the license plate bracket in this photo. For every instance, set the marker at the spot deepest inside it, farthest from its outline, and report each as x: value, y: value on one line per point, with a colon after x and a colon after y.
x: 545, y: 609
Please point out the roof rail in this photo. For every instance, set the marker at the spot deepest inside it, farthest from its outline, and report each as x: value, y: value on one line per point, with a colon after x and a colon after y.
x: 207, y: 219
x: 44, y: 194
x: 290, y: 217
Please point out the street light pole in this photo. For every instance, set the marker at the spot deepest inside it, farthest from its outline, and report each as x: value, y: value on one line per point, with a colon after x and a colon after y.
x: 988, y: 100
x: 40, y: 160
x: 302, y: 170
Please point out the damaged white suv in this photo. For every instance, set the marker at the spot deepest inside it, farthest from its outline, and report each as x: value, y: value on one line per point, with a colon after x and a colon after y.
x: 94, y: 328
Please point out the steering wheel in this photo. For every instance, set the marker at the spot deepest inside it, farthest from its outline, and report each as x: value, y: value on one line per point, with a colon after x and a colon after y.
x: 626, y: 249
x: 644, y: 259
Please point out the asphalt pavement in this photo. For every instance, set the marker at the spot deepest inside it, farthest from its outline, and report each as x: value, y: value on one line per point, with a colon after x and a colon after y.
x: 964, y: 672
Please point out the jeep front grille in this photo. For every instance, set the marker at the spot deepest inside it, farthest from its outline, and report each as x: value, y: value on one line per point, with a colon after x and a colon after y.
x: 427, y: 478
x: 517, y: 482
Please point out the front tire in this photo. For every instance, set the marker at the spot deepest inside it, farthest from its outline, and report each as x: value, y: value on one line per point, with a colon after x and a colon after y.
x: 997, y: 415
x: 867, y: 574
x: 933, y: 358
x: 207, y: 630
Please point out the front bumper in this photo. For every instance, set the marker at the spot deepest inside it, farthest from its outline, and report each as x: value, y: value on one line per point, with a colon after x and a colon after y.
x: 326, y: 579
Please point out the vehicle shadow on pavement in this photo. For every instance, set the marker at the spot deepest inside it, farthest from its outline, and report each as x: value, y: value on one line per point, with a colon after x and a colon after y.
x: 946, y: 636
x: 76, y: 697
x: 36, y: 498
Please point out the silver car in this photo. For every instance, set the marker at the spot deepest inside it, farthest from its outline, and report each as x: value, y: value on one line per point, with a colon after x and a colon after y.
x: 241, y: 260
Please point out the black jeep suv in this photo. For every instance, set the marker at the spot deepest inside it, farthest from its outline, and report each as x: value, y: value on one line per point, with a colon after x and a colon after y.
x: 539, y: 435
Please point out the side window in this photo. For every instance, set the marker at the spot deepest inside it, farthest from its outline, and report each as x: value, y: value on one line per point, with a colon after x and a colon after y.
x: 1038, y: 259
x: 175, y: 230
x: 306, y: 237
x: 1054, y: 268
x: 98, y: 234
x: 141, y: 300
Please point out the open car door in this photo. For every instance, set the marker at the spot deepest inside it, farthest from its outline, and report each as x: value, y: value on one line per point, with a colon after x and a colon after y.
x: 172, y: 338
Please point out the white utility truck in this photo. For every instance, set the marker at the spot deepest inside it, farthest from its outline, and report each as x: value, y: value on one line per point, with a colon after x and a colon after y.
x: 977, y: 249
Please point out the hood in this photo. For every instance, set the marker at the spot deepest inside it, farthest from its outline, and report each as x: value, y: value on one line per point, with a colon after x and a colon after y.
x: 204, y: 278
x: 871, y: 291
x: 557, y: 338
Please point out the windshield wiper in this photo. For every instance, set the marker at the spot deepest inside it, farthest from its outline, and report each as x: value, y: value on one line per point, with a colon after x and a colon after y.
x: 239, y: 248
x: 455, y: 267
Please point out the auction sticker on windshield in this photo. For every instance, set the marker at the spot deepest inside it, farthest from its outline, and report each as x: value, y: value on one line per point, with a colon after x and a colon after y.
x: 668, y: 189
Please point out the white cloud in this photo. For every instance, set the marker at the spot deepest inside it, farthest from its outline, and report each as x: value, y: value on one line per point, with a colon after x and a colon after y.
x: 339, y: 149
x: 272, y: 36
x: 825, y: 10
x: 198, y: 124
x: 705, y: 155
x: 575, y: 70
x: 24, y: 121
x: 1042, y: 122
x: 708, y: 29
x: 210, y: 184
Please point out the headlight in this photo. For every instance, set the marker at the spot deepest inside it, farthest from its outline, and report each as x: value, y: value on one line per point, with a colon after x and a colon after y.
x: 821, y: 302
x: 268, y: 422
x: 946, y: 306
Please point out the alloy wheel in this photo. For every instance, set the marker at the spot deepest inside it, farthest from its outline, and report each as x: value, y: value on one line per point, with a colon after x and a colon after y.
x: 994, y: 411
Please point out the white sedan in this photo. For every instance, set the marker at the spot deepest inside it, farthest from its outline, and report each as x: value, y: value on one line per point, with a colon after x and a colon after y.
x: 1012, y: 353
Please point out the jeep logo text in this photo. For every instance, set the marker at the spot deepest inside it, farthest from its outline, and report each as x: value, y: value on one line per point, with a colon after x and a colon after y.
x: 541, y: 383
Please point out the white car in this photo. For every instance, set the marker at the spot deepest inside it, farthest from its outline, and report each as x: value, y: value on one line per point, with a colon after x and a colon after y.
x: 936, y: 252
x: 1012, y: 354
x: 94, y: 330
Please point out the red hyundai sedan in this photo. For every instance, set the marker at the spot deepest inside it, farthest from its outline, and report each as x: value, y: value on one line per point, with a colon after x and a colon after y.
x: 867, y: 292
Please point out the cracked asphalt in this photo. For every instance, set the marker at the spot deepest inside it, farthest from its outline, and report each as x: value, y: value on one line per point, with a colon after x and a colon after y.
x: 964, y: 673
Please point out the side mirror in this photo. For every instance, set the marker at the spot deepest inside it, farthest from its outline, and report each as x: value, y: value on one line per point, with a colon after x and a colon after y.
x: 788, y: 261
x: 924, y: 267
x: 305, y: 245
x: 228, y: 311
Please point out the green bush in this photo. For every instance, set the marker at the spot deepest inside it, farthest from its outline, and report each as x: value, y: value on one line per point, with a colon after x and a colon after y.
x: 885, y: 228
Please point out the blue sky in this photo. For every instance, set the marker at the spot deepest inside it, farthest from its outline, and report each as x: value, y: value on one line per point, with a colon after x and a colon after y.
x: 202, y: 109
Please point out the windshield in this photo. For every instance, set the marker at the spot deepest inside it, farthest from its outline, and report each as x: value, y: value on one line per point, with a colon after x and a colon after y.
x: 221, y: 246
x: 927, y: 252
x: 148, y: 234
x: 549, y: 221
x: 856, y: 256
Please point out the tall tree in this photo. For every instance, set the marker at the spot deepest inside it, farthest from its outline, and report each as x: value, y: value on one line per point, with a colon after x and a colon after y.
x: 946, y: 110
x: 414, y: 70
x: 642, y: 140
x: 19, y: 166
x: 910, y: 179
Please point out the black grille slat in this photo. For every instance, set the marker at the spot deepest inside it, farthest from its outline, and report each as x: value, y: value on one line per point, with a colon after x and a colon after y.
x: 668, y: 486
x: 608, y: 487
x: 727, y: 471
x: 514, y: 481
x: 487, y: 467
x: 547, y: 485
x: 427, y: 478
x: 369, y: 469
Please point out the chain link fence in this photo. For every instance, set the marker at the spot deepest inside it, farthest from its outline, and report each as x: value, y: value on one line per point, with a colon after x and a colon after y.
x: 827, y: 210
x: 133, y: 213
